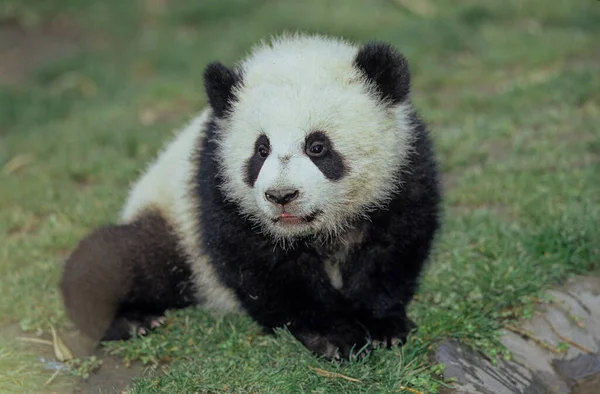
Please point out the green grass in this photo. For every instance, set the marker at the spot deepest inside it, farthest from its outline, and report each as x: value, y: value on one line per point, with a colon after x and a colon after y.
x: 512, y: 93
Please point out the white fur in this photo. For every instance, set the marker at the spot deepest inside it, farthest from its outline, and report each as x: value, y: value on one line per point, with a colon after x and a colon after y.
x: 166, y: 186
x: 292, y: 87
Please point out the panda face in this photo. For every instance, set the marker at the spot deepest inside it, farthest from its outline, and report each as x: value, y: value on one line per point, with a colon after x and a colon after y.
x: 307, y: 146
x: 294, y: 180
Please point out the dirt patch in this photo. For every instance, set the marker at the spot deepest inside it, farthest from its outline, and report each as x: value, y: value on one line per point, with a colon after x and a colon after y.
x: 111, y: 377
x: 23, y: 50
x: 588, y: 386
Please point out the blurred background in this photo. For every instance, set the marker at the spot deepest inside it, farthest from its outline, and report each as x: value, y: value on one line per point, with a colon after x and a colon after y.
x: 90, y: 90
x: 64, y: 54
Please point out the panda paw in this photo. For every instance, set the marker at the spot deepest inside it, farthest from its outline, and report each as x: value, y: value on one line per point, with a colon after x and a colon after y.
x: 389, y: 332
x: 150, y: 323
x: 347, y: 342
x: 125, y: 328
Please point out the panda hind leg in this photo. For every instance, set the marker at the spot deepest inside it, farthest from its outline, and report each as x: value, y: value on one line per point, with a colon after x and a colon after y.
x: 121, y: 279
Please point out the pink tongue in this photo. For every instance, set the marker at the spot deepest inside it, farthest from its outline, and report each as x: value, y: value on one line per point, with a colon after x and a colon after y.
x: 287, y: 215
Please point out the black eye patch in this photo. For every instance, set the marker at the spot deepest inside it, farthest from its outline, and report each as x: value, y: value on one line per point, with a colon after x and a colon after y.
x: 255, y: 162
x: 320, y: 150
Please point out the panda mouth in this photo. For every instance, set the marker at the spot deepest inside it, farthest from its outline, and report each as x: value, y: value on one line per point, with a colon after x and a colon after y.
x: 290, y: 219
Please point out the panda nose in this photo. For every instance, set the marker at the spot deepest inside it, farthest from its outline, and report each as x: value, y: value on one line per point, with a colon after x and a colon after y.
x: 281, y: 196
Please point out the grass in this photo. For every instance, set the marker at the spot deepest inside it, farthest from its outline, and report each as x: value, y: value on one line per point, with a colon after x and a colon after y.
x: 512, y: 93
x: 17, y: 373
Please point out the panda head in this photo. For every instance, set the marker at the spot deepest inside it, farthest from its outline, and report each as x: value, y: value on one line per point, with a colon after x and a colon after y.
x: 312, y: 132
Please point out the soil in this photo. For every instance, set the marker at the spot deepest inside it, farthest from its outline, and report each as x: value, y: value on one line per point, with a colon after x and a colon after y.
x: 112, y: 376
x: 590, y: 385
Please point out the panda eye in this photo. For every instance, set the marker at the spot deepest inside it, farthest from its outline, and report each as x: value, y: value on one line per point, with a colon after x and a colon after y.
x: 316, y: 149
x: 263, y: 151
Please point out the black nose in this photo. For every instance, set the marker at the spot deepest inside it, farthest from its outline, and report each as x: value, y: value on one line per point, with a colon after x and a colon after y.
x: 281, y: 196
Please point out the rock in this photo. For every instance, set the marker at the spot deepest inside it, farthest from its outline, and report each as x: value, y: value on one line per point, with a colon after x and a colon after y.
x: 572, y: 317
x: 476, y: 374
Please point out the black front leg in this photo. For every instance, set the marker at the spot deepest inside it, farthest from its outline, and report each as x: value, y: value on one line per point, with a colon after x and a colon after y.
x: 383, y: 281
x: 385, y: 303
x: 295, y: 293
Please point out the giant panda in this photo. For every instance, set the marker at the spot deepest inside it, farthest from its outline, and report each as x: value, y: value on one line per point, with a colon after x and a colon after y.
x: 305, y: 195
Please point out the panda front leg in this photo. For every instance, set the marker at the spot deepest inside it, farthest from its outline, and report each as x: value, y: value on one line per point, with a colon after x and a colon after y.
x: 297, y: 296
x: 327, y: 332
x: 384, y: 288
x: 122, y: 278
x: 386, y: 315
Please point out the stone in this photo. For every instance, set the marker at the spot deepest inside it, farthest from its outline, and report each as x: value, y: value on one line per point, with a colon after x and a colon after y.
x: 572, y: 317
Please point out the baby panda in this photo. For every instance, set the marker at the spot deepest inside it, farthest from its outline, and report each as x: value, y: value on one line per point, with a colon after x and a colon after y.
x: 305, y: 195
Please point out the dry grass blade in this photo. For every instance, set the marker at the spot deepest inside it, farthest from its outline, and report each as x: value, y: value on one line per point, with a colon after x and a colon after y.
x: 567, y: 340
x: 410, y: 390
x: 61, y: 351
x: 54, y: 375
x: 535, y: 339
x: 328, y: 374
x: 567, y: 310
x: 36, y: 340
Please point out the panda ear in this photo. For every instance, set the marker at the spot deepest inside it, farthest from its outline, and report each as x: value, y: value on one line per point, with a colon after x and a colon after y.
x: 387, y: 69
x: 219, y: 82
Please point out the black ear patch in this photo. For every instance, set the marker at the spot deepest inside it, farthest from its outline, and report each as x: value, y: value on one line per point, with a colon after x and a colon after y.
x: 219, y: 82
x: 387, y: 69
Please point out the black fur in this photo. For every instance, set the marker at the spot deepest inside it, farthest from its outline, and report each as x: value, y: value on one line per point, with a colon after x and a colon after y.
x: 219, y: 83
x: 255, y: 162
x: 290, y: 288
x: 121, y: 276
x: 331, y: 162
x: 387, y: 69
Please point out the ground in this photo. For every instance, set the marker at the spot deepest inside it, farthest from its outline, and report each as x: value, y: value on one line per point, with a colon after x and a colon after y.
x: 89, y: 91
